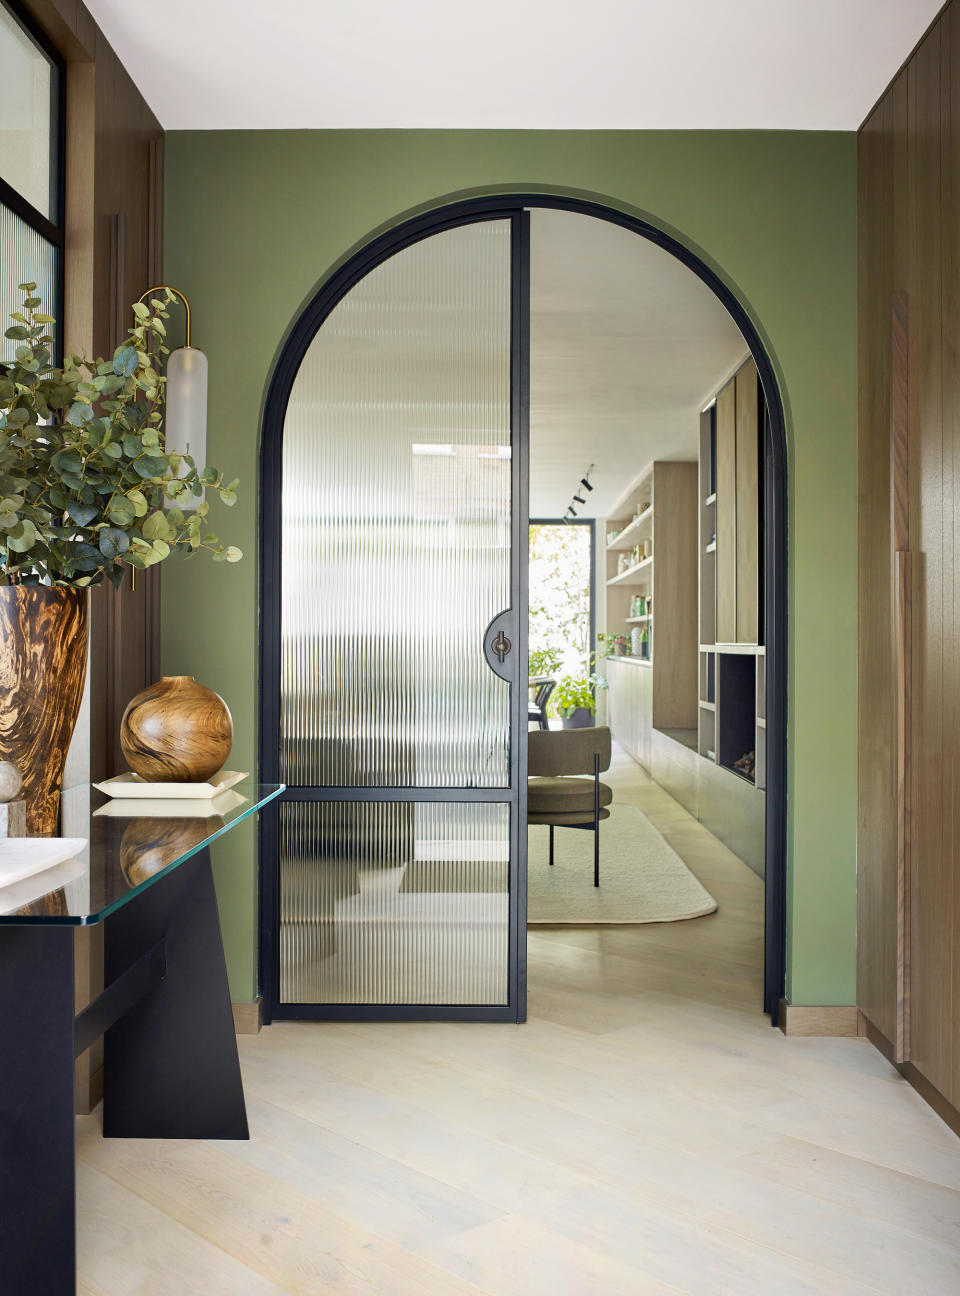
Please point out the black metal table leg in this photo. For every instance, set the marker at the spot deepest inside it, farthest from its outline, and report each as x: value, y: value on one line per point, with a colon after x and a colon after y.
x: 170, y: 1065
x: 37, y: 1160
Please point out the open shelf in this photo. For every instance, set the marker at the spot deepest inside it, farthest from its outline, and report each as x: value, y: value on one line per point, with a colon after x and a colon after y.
x: 633, y: 531
x: 640, y: 620
x: 638, y: 575
x: 711, y: 547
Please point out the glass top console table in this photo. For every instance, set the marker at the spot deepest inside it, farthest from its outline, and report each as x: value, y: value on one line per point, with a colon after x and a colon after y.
x: 170, y: 1064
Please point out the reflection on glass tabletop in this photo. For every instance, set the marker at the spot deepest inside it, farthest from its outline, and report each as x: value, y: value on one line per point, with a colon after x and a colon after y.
x: 127, y: 846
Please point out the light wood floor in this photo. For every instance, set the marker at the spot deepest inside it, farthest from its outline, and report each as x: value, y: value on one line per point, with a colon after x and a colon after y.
x: 645, y: 1131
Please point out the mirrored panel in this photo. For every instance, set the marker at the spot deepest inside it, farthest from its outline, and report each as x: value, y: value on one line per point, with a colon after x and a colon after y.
x: 394, y: 902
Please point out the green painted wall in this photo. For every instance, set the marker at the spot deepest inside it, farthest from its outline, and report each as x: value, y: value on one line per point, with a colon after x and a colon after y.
x: 256, y: 220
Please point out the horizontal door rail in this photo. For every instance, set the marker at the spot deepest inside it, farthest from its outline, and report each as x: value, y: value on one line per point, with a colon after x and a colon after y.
x: 397, y: 794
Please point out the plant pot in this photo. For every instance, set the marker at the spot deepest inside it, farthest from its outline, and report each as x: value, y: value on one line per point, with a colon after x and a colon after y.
x: 581, y: 718
x: 43, y: 664
x: 176, y: 731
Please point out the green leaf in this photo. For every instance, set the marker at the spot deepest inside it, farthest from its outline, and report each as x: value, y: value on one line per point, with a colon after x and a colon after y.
x: 156, y: 527
x: 113, y: 449
x: 79, y: 413
x: 65, y: 462
x: 112, y: 541
x: 139, y: 502
x: 140, y: 310
x: 22, y: 537
x: 228, y: 497
x: 27, y: 288
x: 132, y: 445
x: 151, y: 466
x: 44, y: 319
x: 233, y: 554
x: 81, y: 513
x: 125, y: 361
x: 121, y: 511
x: 17, y: 332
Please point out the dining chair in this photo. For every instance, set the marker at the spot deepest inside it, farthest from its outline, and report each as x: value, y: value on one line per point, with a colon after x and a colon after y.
x: 559, y: 790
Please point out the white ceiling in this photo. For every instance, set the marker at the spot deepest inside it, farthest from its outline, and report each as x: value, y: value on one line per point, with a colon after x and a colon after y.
x: 615, y: 64
x: 626, y: 347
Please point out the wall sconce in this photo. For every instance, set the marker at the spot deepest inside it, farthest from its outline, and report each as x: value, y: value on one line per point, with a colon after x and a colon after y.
x: 185, y: 417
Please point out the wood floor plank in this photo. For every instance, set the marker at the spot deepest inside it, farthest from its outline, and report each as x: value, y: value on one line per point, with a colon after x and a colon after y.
x: 646, y: 1131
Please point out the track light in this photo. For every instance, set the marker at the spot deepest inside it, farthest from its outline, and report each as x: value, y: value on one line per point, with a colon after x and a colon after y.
x: 585, y: 484
x: 579, y: 499
x: 572, y: 511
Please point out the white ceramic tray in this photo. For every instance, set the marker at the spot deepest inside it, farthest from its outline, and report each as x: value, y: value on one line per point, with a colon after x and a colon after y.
x: 22, y: 857
x: 34, y: 888
x: 162, y: 808
x: 132, y: 785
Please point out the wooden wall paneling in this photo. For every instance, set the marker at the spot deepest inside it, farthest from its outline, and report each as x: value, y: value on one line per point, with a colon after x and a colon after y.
x: 877, y: 937
x: 950, y: 361
x: 931, y: 899
x: 726, y: 514
x: 903, y: 658
x: 675, y: 528
x: 113, y: 250
x: 748, y: 503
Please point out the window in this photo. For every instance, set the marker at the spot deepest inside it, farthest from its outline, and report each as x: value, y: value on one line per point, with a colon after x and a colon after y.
x: 31, y: 170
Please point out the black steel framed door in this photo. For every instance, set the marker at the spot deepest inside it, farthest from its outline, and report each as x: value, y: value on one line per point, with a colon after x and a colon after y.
x: 394, y: 659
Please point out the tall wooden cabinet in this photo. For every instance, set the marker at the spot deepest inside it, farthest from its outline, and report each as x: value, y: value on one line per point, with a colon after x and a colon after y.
x: 908, y: 957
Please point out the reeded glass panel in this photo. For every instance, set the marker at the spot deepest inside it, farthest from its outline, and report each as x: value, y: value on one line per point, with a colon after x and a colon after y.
x: 25, y: 257
x: 27, y: 120
x: 394, y: 902
x: 396, y: 525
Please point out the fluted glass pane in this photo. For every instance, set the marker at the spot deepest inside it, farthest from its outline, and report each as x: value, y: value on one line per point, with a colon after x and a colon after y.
x: 396, y: 525
x: 394, y: 902
x: 27, y: 121
x: 25, y: 257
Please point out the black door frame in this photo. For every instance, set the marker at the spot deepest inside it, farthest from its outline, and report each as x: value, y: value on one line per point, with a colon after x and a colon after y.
x: 447, y: 216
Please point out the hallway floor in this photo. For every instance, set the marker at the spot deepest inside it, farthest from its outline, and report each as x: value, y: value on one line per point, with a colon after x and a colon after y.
x: 645, y: 1131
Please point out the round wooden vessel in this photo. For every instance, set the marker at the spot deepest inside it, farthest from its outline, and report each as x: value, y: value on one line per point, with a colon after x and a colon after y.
x: 176, y: 731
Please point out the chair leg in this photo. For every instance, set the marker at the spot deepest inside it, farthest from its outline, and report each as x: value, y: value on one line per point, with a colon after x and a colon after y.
x: 596, y: 853
x: 551, y: 845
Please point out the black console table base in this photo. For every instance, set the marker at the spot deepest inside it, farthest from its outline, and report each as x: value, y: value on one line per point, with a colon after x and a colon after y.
x: 171, y: 1068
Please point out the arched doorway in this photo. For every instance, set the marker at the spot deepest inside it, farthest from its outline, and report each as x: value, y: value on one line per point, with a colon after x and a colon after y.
x: 473, y: 805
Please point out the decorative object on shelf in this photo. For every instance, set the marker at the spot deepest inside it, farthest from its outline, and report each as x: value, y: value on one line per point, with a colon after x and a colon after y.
x: 576, y: 701
x: 644, y: 642
x: 11, y: 781
x: 176, y: 731
x: 43, y: 659
x: 13, y: 813
x: 150, y: 845
x: 620, y: 645
x: 131, y: 787
x: 623, y: 562
x: 746, y: 764
x: 88, y: 490
x: 636, y: 641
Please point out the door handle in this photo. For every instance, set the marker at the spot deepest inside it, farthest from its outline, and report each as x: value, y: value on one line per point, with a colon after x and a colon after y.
x: 498, y: 643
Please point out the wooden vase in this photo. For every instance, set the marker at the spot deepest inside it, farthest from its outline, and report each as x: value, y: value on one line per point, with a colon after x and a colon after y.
x: 150, y: 845
x: 43, y: 664
x: 176, y: 731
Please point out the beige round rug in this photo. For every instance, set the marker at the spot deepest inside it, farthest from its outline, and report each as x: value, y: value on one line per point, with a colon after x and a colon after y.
x: 642, y: 878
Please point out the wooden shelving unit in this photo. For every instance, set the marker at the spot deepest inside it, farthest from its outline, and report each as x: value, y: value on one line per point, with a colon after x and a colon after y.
x: 659, y: 511
x: 730, y: 705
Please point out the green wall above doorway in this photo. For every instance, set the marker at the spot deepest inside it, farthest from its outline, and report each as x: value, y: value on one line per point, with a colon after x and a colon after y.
x: 256, y: 220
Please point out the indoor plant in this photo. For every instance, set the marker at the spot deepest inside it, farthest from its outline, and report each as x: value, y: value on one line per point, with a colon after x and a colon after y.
x: 575, y: 700
x: 87, y: 490
x: 543, y: 661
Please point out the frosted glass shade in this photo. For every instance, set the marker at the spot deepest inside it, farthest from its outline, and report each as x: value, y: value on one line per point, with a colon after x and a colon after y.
x: 185, y: 424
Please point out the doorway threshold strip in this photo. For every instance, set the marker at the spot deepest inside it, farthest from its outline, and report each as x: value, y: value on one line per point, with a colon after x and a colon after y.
x: 642, y: 878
